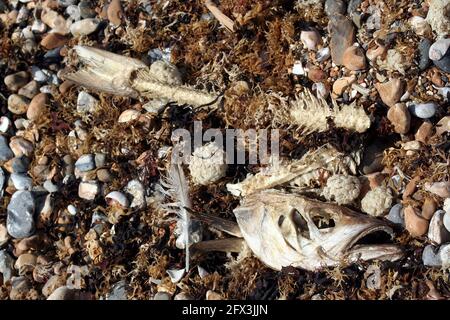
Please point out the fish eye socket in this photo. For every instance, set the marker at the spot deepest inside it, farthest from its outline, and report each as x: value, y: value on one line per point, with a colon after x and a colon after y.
x: 323, y: 222
x: 300, y: 223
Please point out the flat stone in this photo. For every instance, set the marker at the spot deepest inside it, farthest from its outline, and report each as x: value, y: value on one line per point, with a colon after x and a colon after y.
x: 100, y: 160
x: 115, y: 12
x: 333, y: 7
x: 430, y: 257
x: 20, y: 218
x: 354, y: 58
x: 424, y: 49
x: 414, y: 223
x: 53, y: 40
x: 342, y: 32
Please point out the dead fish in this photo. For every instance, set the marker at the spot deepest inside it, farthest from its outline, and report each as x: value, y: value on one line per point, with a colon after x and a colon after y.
x: 288, y: 229
x: 115, y: 74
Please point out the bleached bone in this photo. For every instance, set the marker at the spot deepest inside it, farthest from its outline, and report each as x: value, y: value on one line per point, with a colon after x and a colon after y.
x: 119, y: 75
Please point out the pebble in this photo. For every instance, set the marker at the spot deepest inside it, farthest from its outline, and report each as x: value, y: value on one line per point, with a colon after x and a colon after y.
x: 84, y: 27
x: 340, y: 85
x: 391, y: 91
x: 53, y: 283
x: 375, y: 50
x: 100, y: 160
x: 414, y: 223
x: 442, y: 189
x: 38, y: 106
x: 88, y: 190
x: 354, y: 58
x: 129, y: 115
x: 86, y: 103
x: 5, y: 152
x: 21, y: 181
x: 53, y: 40
x: 342, y: 32
x: 444, y: 63
x: 311, y: 39
x: 115, y: 12
x: 65, y: 293
x: 21, y: 147
x: 399, y: 116
x: 437, y: 232
x: 333, y: 7
x: 23, y: 15
x: 85, y: 163
x: 4, y: 236
x: 25, y: 263
x: 323, y: 54
x: 444, y: 255
x: 420, y: 26
x: 29, y: 90
x: 18, y: 104
x: 428, y: 208
x: 443, y: 126
x: 118, y: 291
x: 424, y: 132
x: 50, y: 186
x: 423, y: 110
x: 424, y: 49
x: 183, y: 296
x: 20, y: 217
x: 446, y: 220
x: 161, y: 296
x: 439, y: 49
x: 431, y: 258
x: 316, y: 74
x: 212, y: 295
x: 38, y: 27
x: 87, y: 9
x: 5, y: 124
x: 103, y: 175
x: 117, y: 198
x: 55, y: 21
x: 16, y: 81
x: 6, y: 265
x: 396, y: 214
x: 137, y: 191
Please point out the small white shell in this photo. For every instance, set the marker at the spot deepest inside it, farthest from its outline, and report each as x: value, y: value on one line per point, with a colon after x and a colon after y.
x: 129, y: 115
x: 176, y: 274
x: 117, y: 197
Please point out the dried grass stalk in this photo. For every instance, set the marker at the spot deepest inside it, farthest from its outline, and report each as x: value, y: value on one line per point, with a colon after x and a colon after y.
x: 223, y: 19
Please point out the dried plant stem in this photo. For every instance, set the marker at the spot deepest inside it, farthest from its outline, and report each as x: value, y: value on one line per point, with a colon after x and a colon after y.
x: 223, y: 19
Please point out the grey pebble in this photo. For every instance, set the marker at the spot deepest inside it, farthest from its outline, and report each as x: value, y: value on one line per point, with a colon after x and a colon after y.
x: 86, y: 9
x: 424, y: 59
x: 100, y: 160
x: 5, y: 151
x: 20, y: 218
x: 161, y: 296
x: 423, y: 110
x: 50, y: 186
x: 333, y: 7
x: 396, y: 214
x: 6, y: 265
x: 444, y: 63
x: 21, y: 181
x: 20, y: 164
x: 85, y: 163
x: 430, y: 257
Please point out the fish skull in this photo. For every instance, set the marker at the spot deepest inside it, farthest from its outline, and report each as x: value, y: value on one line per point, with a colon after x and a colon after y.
x: 281, y: 230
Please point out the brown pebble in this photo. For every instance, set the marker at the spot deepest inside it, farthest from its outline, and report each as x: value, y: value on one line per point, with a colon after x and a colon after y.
x: 340, y: 85
x: 410, y: 187
x: 316, y: 74
x: 414, y: 223
x: 441, y: 189
x: 115, y: 12
x: 429, y: 208
x: 391, y: 91
x: 38, y: 106
x: 375, y: 179
x: 18, y: 104
x: 436, y: 78
x: 400, y: 117
x: 424, y: 132
x: 29, y: 90
x: 354, y: 58
x: 443, y: 125
x: 53, y: 40
x: 16, y: 81
x: 65, y: 86
x: 104, y: 175
x: 342, y: 33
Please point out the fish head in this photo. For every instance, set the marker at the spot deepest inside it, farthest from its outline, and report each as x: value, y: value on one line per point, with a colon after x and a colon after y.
x: 285, y: 229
